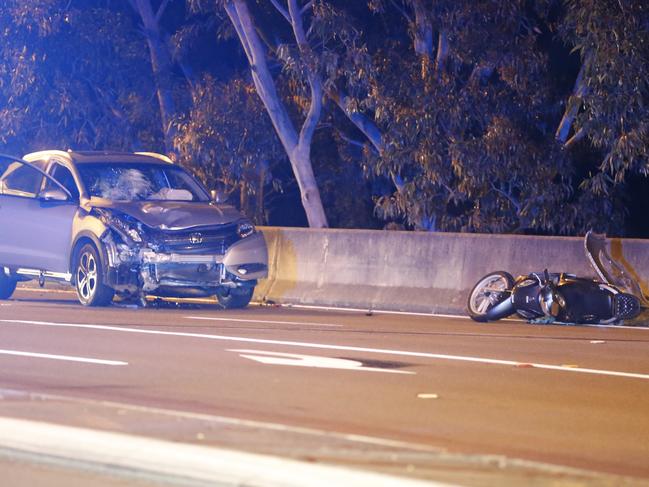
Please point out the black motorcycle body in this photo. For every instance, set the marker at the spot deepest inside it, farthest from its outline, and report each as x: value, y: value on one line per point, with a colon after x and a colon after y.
x: 564, y: 298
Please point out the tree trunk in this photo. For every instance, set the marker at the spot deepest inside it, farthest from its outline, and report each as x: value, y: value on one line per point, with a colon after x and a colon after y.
x: 161, y: 67
x: 260, y: 207
x: 297, y: 146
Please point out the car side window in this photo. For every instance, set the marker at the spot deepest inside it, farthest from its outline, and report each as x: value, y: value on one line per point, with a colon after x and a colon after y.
x: 18, y: 179
x: 64, y: 176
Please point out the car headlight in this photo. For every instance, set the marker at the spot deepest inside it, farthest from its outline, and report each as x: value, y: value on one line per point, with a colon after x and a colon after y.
x: 125, y: 225
x: 245, y: 229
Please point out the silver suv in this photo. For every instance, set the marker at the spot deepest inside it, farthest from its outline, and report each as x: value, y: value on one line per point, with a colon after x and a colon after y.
x: 131, y: 224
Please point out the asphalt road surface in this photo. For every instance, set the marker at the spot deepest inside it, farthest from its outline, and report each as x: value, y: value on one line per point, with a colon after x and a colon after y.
x: 436, y: 398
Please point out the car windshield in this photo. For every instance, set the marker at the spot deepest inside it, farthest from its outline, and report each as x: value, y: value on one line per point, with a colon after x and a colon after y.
x: 138, y: 182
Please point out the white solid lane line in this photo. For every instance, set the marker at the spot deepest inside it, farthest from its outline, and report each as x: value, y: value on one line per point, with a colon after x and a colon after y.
x: 69, y: 358
x: 321, y: 346
x: 270, y: 322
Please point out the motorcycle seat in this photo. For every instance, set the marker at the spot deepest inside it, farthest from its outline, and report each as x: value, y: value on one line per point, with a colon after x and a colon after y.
x: 587, y: 307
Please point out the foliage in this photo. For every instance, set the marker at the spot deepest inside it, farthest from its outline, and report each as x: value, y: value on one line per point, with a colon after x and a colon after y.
x: 72, y: 77
x: 471, y: 147
x: 228, y: 140
x: 449, y: 108
x: 612, y: 38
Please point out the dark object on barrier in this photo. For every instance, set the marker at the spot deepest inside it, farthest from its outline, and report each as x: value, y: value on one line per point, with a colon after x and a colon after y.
x: 560, y: 297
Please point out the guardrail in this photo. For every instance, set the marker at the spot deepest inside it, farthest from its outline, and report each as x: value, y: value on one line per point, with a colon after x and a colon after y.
x: 415, y: 271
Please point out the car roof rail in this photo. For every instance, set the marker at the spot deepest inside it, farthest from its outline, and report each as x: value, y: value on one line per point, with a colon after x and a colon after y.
x: 162, y: 157
x: 45, y: 153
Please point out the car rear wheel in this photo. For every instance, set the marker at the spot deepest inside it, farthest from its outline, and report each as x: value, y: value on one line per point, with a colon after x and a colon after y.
x: 89, y: 278
x: 7, y: 286
x: 233, y: 298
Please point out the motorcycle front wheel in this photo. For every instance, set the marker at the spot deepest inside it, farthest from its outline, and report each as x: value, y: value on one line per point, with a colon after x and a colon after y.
x: 489, y: 292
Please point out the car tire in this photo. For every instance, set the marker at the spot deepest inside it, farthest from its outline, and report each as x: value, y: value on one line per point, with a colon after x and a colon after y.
x: 7, y: 286
x: 235, y: 298
x: 89, y: 278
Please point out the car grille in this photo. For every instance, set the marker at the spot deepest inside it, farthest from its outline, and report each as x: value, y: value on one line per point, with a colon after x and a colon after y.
x: 211, y: 240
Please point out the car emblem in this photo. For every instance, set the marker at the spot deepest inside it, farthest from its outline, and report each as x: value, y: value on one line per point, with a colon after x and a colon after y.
x: 196, y: 238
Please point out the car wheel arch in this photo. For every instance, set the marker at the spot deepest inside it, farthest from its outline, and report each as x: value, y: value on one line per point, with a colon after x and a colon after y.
x: 80, y: 240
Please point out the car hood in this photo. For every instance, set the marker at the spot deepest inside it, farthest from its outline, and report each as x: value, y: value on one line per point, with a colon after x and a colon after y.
x: 173, y: 215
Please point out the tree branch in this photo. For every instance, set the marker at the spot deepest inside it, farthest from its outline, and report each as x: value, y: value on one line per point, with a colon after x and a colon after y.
x: 362, y: 123
x: 442, y: 52
x: 580, y: 134
x: 507, y: 196
x: 401, y: 10
x: 281, y: 10
x: 423, y: 30
x: 238, y: 27
x: 572, y: 107
x: 306, y: 7
x: 481, y: 72
x: 315, y: 84
x: 161, y: 10
x: 351, y: 141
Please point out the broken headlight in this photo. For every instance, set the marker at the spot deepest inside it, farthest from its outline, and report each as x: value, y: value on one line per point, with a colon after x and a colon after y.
x: 125, y: 225
x: 245, y: 229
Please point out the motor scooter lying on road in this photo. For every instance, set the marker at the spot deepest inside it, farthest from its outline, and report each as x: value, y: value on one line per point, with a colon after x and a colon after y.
x: 560, y: 297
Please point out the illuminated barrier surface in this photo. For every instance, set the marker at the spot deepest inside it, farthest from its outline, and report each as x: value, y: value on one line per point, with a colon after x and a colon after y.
x: 415, y: 271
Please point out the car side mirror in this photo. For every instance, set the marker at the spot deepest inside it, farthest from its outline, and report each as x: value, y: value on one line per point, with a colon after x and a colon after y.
x: 53, y: 195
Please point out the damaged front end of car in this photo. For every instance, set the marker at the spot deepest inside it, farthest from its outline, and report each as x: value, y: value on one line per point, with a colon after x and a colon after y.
x: 192, y: 261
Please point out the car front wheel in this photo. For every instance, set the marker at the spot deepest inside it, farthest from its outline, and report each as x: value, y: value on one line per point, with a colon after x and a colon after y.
x: 89, y: 278
x: 233, y: 298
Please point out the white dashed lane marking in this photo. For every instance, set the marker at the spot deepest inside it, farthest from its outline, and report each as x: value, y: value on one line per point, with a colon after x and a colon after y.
x: 68, y: 358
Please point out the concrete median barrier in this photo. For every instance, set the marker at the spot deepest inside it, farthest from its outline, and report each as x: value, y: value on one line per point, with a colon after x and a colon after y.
x: 414, y: 271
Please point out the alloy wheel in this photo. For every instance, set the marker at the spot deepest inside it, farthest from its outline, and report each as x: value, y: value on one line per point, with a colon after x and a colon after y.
x: 487, y: 293
x: 87, y: 275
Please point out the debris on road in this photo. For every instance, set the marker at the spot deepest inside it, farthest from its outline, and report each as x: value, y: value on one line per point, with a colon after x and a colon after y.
x: 427, y: 395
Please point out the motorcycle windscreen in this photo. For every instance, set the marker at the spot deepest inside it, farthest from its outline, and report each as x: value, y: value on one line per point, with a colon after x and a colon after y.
x: 608, y: 270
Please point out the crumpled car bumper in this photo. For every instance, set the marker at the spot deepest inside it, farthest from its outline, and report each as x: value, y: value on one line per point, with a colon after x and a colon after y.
x: 148, y: 270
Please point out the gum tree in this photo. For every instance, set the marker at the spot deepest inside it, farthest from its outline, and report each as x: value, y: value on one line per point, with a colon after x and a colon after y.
x: 296, y: 141
x: 160, y: 62
x: 609, y: 107
x: 466, y: 113
x: 95, y: 99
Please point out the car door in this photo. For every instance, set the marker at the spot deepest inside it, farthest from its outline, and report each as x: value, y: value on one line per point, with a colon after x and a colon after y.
x: 35, y: 233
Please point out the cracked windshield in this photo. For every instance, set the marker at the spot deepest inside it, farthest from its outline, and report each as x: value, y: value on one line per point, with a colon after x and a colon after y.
x: 138, y: 182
